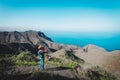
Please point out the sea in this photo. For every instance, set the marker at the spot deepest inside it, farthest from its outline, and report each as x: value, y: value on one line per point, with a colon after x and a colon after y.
x: 108, y: 41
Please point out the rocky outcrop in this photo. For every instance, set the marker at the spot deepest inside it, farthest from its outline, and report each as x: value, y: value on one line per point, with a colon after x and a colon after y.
x: 94, y: 48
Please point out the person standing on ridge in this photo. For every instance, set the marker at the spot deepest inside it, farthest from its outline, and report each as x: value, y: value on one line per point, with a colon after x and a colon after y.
x: 41, y: 54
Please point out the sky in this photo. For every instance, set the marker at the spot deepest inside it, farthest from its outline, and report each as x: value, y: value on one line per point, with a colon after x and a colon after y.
x: 60, y: 15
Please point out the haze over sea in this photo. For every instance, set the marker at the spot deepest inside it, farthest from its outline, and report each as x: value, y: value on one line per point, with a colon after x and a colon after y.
x: 108, y: 42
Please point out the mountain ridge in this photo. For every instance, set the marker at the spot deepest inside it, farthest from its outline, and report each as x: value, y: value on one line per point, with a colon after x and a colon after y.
x: 91, y: 55
x: 33, y: 38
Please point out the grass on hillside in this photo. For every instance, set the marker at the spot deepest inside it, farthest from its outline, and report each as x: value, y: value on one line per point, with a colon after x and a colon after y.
x: 60, y: 62
x: 26, y: 58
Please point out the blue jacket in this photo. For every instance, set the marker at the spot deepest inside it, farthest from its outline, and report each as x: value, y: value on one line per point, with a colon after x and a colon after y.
x: 40, y: 54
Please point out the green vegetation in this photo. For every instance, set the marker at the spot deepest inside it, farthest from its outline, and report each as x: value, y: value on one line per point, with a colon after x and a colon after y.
x: 7, y: 61
x: 26, y: 58
x: 26, y: 63
x: 54, y: 61
x: 60, y: 62
x: 72, y: 64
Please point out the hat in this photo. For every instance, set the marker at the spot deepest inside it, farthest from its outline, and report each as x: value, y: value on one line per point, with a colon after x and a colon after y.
x: 40, y: 46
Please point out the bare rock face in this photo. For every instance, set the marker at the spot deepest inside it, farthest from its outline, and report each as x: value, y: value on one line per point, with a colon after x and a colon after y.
x: 96, y: 56
x: 91, y: 47
x: 92, y: 54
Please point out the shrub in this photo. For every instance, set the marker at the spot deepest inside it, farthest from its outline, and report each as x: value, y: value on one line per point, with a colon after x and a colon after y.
x: 72, y: 64
x: 26, y: 56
